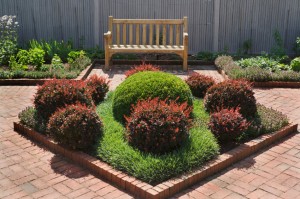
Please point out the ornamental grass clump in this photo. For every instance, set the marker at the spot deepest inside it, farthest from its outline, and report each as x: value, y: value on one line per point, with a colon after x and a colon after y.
x: 158, y: 126
x: 231, y: 94
x: 98, y: 87
x: 56, y: 94
x: 199, y: 84
x: 145, y: 85
x: 227, y: 124
x: 140, y: 68
x: 223, y: 60
x: 75, y: 126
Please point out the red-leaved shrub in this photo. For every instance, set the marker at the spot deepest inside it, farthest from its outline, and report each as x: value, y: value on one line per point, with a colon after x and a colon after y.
x: 231, y: 94
x: 75, y: 126
x: 199, y: 84
x: 227, y: 124
x: 158, y: 126
x: 56, y: 94
x: 141, y: 68
x: 98, y: 87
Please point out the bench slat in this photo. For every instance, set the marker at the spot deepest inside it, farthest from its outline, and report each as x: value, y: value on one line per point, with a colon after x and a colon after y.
x: 118, y: 34
x: 124, y: 34
x: 137, y: 34
x: 130, y: 34
x: 151, y: 34
x: 157, y: 34
x: 164, y: 34
x: 144, y: 34
x: 177, y: 35
x: 171, y: 35
x: 148, y: 21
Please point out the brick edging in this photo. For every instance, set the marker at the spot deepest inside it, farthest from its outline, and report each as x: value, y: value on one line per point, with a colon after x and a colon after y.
x: 165, y: 189
x: 33, y: 82
x: 269, y: 84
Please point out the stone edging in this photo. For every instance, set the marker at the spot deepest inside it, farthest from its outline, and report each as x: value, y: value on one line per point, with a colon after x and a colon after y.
x: 169, y: 187
x: 33, y: 82
x: 269, y: 84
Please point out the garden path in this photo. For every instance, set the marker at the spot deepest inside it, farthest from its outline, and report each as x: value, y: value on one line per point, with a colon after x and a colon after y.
x: 29, y: 171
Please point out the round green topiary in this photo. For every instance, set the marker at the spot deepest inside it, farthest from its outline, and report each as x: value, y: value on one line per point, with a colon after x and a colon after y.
x: 149, y: 84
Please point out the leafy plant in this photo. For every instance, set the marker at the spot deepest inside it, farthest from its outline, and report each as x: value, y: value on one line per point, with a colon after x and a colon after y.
x: 140, y: 68
x: 295, y: 64
x: 14, y: 65
x: 199, y: 84
x: 73, y: 55
x: 56, y: 62
x: 56, y: 94
x: 36, y: 57
x: 158, y: 126
x: 297, y: 46
x: 259, y: 61
x: 278, y: 51
x: 30, y: 118
x: 95, y: 53
x: 149, y: 84
x: 227, y: 124
x: 8, y: 38
x: 23, y: 57
x: 75, y: 126
x: 206, y: 56
x: 231, y: 94
x: 98, y: 87
x: 80, y: 63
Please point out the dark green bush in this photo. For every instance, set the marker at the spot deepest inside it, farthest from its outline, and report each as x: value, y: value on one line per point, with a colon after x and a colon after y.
x: 75, y: 126
x: 199, y: 84
x: 144, y: 85
x: 56, y: 94
x: 206, y: 56
x: 231, y: 94
x: 158, y: 126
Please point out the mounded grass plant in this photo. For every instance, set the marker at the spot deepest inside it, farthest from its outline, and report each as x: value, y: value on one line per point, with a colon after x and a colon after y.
x: 200, y: 147
x: 149, y: 84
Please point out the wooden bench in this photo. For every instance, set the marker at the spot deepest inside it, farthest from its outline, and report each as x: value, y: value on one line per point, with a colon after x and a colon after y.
x: 146, y: 36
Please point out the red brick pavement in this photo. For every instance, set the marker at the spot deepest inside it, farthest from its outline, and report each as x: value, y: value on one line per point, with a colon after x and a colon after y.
x: 29, y: 171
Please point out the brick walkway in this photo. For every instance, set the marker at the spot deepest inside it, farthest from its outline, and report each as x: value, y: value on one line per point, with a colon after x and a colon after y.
x: 29, y: 171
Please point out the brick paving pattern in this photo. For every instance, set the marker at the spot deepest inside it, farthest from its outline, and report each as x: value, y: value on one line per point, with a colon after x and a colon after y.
x: 29, y: 171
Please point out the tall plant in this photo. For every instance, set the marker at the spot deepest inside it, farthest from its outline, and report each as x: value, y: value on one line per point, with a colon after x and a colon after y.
x: 8, y: 38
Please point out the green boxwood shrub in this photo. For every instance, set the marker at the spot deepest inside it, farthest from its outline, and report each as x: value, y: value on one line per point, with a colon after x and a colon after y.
x: 144, y: 85
x: 231, y: 94
x: 75, y: 126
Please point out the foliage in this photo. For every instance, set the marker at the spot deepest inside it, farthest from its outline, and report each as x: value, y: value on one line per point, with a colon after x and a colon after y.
x: 15, y: 66
x: 80, y: 63
x: 206, y: 56
x: 158, y: 126
x: 56, y: 94
x: 36, y: 57
x: 98, y: 87
x: 267, y: 120
x: 231, y: 94
x: 73, y: 55
x: 199, y: 84
x: 260, y: 61
x: 8, y: 38
x: 23, y: 57
x: 56, y: 62
x: 200, y: 147
x: 295, y: 64
x: 95, y: 53
x: 297, y: 46
x: 31, y: 119
x: 140, y: 68
x: 148, y: 84
x: 61, y: 48
x: 278, y: 51
x: 227, y: 124
x: 223, y: 60
x: 75, y: 126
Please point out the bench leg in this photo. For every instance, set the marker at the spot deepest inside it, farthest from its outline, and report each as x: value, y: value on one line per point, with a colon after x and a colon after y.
x: 107, y: 61
x: 185, y: 62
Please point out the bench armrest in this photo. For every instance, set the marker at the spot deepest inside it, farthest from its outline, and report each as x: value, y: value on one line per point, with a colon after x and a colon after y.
x: 107, y: 35
x: 185, y: 34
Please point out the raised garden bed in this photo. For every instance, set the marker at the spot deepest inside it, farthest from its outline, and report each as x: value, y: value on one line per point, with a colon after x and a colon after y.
x: 167, y: 188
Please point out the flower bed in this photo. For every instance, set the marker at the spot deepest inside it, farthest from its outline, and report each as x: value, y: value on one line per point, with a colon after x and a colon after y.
x: 159, y: 135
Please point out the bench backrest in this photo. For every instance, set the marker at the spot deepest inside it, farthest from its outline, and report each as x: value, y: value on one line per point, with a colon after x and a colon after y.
x: 160, y: 31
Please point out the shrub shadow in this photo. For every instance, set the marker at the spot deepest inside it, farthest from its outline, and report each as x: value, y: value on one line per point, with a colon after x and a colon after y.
x: 60, y: 165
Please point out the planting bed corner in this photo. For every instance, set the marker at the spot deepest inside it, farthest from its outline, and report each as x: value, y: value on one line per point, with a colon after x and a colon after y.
x: 169, y: 187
